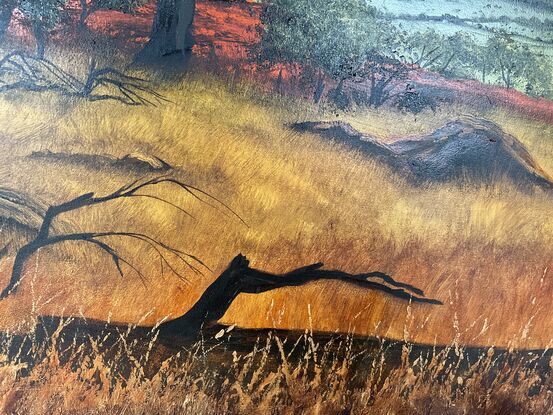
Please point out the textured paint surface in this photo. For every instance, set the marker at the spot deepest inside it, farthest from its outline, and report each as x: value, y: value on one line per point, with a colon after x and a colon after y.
x: 385, y: 173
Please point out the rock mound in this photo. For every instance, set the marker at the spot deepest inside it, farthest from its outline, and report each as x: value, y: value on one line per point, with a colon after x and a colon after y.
x: 134, y: 162
x: 466, y: 148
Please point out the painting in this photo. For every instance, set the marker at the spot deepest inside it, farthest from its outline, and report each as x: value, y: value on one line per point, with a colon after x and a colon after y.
x: 276, y: 207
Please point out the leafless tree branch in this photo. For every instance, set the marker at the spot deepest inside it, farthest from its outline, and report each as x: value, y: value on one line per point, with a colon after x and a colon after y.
x: 45, y: 238
x: 21, y: 71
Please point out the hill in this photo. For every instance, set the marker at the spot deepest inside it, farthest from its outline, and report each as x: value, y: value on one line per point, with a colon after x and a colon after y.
x: 529, y: 21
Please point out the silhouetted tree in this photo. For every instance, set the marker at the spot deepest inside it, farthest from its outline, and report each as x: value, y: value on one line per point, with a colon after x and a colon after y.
x: 240, y: 278
x: 46, y: 237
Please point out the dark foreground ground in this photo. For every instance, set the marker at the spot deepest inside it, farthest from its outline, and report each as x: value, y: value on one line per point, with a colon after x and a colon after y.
x: 217, y: 349
x: 70, y: 367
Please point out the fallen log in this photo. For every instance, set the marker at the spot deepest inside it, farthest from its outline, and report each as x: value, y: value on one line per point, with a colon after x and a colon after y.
x: 239, y: 278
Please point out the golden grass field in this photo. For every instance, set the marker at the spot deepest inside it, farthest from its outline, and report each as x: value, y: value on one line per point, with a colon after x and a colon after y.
x: 486, y: 251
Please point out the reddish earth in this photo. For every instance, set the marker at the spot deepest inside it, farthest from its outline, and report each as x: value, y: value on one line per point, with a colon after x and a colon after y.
x: 229, y: 31
x: 477, y: 93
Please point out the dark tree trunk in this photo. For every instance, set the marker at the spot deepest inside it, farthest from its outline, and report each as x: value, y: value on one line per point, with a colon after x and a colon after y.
x: 377, y: 94
x: 40, y: 38
x: 505, y: 75
x: 372, y: 94
x: 84, y: 14
x: 340, y: 86
x: 171, y: 31
x: 279, y: 86
x: 447, y: 63
x: 213, y: 58
x: 213, y: 303
x: 18, y: 267
x: 319, y: 88
x: 239, y: 277
x: 6, y: 11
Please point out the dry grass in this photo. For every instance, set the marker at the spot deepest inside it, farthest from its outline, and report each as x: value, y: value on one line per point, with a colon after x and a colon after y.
x: 485, y: 251
x: 266, y: 379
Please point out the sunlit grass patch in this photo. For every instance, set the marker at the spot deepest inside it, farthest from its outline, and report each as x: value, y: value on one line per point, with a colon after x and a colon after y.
x: 479, y: 248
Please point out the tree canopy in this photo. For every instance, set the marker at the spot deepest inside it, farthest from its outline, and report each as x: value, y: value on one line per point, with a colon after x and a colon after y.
x: 329, y: 38
x: 42, y: 16
x: 335, y: 36
x: 338, y: 38
x: 342, y: 39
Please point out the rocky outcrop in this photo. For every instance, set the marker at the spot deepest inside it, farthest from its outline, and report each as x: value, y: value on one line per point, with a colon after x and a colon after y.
x: 468, y: 148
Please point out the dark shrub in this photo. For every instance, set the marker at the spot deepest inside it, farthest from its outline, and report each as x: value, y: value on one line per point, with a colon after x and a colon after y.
x: 414, y: 102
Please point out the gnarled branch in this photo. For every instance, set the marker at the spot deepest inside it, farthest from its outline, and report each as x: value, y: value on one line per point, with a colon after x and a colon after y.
x: 20, y: 71
x: 239, y: 278
x: 45, y: 238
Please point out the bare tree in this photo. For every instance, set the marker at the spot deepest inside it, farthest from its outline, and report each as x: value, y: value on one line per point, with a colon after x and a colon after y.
x: 20, y: 71
x: 240, y: 278
x: 45, y: 237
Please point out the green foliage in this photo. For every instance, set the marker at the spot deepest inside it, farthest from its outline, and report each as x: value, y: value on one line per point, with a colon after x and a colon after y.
x: 537, y: 75
x: 347, y: 40
x: 516, y: 66
x: 459, y: 54
x: 505, y: 54
x: 45, y: 13
x: 414, y: 102
x: 42, y: 16
x: 450, y: 55
x: 335, y: 36
x: 339, y: 38
x: 501, y: 60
